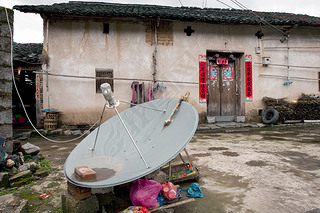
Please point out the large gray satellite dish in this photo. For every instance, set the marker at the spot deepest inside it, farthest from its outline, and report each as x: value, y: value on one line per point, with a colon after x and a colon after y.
x: 116, y: 160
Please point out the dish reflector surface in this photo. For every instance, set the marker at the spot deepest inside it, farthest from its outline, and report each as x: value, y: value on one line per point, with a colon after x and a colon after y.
x: 115, y: 158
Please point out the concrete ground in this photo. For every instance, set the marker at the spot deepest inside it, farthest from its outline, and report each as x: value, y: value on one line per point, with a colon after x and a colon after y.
x: 243, y: 169
x: 258, y: 170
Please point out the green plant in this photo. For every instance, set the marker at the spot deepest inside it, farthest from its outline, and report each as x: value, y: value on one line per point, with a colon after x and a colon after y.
x: 15, y: 190
x: 46, y: 165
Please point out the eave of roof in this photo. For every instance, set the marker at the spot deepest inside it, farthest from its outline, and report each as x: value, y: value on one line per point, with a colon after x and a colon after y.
x: 212, y: 15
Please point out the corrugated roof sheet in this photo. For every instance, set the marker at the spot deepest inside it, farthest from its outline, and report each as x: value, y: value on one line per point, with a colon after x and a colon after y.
x: 212, y: 15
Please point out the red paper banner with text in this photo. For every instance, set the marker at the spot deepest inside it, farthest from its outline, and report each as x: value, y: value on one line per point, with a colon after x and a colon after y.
x: 202, y: 78
x: 248, y: 70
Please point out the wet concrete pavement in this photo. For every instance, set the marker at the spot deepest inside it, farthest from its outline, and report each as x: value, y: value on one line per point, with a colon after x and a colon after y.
x: 243, y: 169
x: 258, y: 170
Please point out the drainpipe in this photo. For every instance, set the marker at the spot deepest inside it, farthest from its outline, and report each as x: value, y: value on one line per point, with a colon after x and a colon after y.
x: 46, y: 52
x: 155, y: 55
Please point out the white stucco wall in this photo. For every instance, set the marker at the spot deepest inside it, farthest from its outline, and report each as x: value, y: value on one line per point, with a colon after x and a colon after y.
x: 78, y: 48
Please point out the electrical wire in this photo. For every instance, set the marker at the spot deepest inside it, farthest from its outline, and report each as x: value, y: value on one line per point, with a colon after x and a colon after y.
x: 225, y: 4
x: 180, y: 3
x: 255, y: 14
x: 16, y: 88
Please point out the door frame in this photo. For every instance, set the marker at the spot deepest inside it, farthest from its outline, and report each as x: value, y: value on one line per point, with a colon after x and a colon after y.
x: 239, y: 81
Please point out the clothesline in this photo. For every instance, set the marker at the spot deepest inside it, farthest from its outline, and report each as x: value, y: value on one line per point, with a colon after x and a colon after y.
x: 124, y: 79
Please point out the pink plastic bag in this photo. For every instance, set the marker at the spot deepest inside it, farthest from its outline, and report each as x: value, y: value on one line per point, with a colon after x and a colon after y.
x: 145, y: 192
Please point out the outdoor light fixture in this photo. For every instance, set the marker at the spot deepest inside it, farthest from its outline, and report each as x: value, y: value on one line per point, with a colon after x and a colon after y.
x: 108, y: 95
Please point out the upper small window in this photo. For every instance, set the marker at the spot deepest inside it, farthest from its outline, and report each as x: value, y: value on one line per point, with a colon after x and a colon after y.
x: 108, y: 74
x: 106, y: 28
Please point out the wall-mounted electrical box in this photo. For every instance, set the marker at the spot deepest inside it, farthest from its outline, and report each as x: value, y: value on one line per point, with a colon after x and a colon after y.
x: 266, y: 61
x: 258, y: 50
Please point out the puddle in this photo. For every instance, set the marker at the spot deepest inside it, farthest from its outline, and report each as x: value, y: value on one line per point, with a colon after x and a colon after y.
x: 301, y: 160
x: 230, y: 154
x: 217, y: 148
x: 256, y: 163
x: 101, y: 174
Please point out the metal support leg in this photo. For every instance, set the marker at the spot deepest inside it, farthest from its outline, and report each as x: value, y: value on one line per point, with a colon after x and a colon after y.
x: 134, y: 143
x: 95, y: 141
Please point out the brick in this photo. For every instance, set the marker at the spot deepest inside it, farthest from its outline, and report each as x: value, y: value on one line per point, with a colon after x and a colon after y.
x: 78, y: 192
x: 85, y: 173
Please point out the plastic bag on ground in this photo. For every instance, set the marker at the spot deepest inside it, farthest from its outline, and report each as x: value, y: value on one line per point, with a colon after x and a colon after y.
x: 145, y: 193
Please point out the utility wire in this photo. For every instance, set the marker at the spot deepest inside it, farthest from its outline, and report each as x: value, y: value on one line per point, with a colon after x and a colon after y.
x: 180, y: 3
x: 255, y: 14
x: 16, y: 88
x: 225, y: 4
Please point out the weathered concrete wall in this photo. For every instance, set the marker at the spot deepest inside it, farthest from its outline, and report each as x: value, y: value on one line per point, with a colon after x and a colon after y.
x: 5, y: 79
x: 78, y: 48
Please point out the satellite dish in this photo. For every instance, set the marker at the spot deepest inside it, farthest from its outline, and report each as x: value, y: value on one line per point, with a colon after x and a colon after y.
x: 116, y: 160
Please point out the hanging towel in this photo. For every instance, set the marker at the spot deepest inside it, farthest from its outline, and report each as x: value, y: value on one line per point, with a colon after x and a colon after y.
x: 134, y: 95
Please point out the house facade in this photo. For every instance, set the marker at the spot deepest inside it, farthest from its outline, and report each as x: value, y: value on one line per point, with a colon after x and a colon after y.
x: 228, y: 59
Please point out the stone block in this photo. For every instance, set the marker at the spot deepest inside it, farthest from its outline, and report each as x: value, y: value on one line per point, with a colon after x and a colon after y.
x: 5, y: 72
x: 68, y: 132
x: 30, y: 149
x: 6, y: 87
x: 160, y: 177
x: 76, y: 132
x: 72, y: 205
x: 4, y: 31
x: 41, y: 173
x: 27, y: 166
x: 24, y: 174
x: 5, y: 46
x: 10, y: 163
x: 78, y: 192
x: 3, y: 16
x: 6, y: 101
x: 5, y: 58
x: 102, y: 190
x: 6, y: 117
x: 56, y: 132
x: 9, y: 145
x: 4, y: 179
x: 6, y: 130
x: 211, y: 119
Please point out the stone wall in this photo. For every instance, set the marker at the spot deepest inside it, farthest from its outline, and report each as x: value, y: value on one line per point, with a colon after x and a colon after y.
x: 5, y: 79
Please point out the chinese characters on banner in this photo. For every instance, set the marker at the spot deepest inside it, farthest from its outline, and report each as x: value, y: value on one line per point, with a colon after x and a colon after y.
x: 213, y: 73
x: 202, y: 79
x: 37, y: 86
x: 248, y: 70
